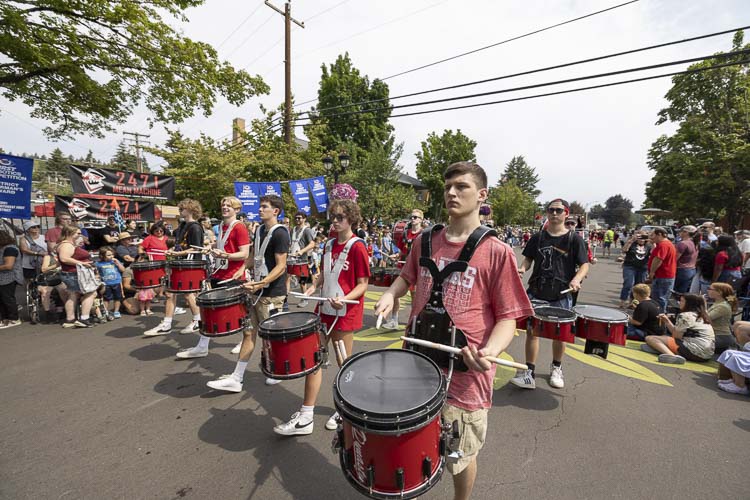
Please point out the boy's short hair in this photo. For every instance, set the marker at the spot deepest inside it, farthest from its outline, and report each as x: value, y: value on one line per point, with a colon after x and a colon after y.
x: 467, y: 167
x: 642, y: 290
x: 273, y: 200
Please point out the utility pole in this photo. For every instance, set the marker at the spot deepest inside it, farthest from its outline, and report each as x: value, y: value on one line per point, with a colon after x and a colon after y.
x: 136, y: 140
x: 288, y: 19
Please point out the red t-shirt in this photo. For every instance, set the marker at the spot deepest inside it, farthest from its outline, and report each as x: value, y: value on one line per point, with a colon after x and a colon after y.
x: 357, y: 265
x: 237, y: 237
x: 666, y: 252
x: 407, y: 241
x: 489, y: 291
x: 151, y: 242
x: 722, y: 258
x: 53, y: 234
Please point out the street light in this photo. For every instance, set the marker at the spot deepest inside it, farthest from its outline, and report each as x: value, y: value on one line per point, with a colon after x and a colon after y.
x: 330, y: 167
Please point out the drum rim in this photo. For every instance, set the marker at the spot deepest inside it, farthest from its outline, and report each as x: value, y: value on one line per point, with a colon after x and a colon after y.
x: 237, y: 298
x: 557, y: 320
x: 383, y: 423
x: 148, y: 265
x: 186, y: 263
x: 289, y: 333
x: 595, y: 318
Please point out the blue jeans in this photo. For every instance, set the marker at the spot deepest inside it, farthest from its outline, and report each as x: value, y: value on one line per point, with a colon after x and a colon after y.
x: 683, y: 280
x: 565, y: 302
x: 631, y: 276
x: 634, y: 331
x: 727, y: 276
x: 660, y: 289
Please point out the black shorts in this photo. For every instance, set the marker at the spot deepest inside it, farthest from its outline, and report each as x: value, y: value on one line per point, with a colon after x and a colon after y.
x: 29, y: 273
x: 113, y: 292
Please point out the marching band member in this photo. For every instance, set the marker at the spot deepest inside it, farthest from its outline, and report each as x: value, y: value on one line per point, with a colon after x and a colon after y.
x: 346, y: 273
x: 270, y: 248
x: 231, y: 250
x: 303, y: 241
x: 482, y: 298
x: 411, y: 232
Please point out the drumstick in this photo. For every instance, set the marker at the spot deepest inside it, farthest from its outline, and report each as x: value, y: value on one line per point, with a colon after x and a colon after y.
x: 456, y: 350
x: 321, y: 299
x: 225, y: 281
x: 379, y: 322
x: 197, y: 247
x: 340, y: 349
x: 566, y: 291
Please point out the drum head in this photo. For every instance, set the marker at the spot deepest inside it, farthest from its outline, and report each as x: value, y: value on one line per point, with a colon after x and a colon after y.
x: 145, y: 265
x: 289, y: 325
x: 219, y: 297
x: 600, y: 313
x: 538, y: 303
x: 554, y: 314
x: 389, y: 382
x: 187, y: 263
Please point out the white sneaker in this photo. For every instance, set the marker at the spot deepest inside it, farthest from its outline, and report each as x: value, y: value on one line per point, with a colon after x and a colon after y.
x: 191, y: 328
x: 294, y: 427
x: 733, y: 388
x: 236, y: 349
x: 524, y: 380
x: 226, y: 383
x: 302, y: 303
x: 193, y: 352
x: 333, y: 422
x: 272, y: 381
x: 556, y: 377
x: 180, y: 310
x: 160, y: 329
x: 391, y: 324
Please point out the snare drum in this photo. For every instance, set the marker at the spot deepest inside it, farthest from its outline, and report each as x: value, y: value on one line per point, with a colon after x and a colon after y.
x: 525, y: 323
x: 553, y: 323
x: 392, y: 443
x: 383, y: 276
x: 293, y: 345
x: 148, y: 274
x: 601, y: 324
x: 223, y: 311
x: 186, y: 275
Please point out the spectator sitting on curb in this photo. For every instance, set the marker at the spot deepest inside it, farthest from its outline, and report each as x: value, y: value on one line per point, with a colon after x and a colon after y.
x: 645, y: 319
x: 692, y: 335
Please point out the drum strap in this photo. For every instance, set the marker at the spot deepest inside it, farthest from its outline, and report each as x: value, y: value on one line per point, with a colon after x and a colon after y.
x: 331, y: 272
x: 260, y: 269
x: 434, y: 323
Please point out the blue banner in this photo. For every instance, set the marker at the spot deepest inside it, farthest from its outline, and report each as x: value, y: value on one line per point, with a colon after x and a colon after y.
x: 269, y: 188
x: 15, y: 186
x: 301, y: 195
x: 320, y: 193
x: 249, y: 195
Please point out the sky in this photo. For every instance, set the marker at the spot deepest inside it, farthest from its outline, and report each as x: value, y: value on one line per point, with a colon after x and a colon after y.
x: 585, y: 146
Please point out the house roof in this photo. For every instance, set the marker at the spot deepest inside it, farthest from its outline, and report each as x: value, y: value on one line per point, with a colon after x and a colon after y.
x: 408, y: 180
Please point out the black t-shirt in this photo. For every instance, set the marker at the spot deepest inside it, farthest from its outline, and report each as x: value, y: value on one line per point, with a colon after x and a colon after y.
x: 280, y: 242
x: 647, y: 313
x: 556, y: 259
x: 188, y: 234
x: 11, y: 251
x: 637, y: 256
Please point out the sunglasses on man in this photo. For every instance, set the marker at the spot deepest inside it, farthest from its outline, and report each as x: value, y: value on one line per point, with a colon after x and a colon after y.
x: 557, y: 211
x: 337, y: 217
x: 415, y: 217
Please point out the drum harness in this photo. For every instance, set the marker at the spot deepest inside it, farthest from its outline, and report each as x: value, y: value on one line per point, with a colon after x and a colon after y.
x: 331, y: 287
x: 260, y: 269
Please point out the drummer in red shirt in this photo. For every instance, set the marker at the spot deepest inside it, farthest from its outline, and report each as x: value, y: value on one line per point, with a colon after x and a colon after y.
x: 232, y: 248
x: 346, y: 273
x: 404, y: 248
x: 662, y: 267
x: 483, y: 302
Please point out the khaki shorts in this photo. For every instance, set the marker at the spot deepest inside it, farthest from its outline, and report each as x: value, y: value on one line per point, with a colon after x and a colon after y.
x: 472, y: 428
x: 261, y: 311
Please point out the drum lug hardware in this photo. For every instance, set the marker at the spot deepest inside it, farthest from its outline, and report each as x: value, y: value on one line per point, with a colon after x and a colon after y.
x: 229, y: 326
x: 400, y: 479
x: 370, y: 477
x: 271, y: 366
x: 338, y: 441
x: 302, y: 363
x: 287, y: 366
x: 426, y: 467
x: 317, y: 357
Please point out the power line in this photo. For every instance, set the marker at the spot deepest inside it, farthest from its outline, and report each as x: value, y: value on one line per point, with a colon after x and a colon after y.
x: 239, y: 26
x: 325, y: 11
x: 498, y: 43
x: 529, y: 72
x: 252, y: 34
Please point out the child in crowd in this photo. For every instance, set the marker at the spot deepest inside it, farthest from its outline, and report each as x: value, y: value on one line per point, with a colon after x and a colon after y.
x: 692, y: 335
x: 110, y: 270
x: 645, y: 319
x: 145, y: 296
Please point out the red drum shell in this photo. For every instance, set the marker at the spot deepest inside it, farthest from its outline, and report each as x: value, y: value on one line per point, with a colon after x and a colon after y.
x: 391, y: 430
x: 292, y: 345
x: 554, y: 323
x: 300, y: 270
x: 186, y: 276
x: 399, y: 228
x: 223, y: 311
x: 525, y: 323
x: 601, y: 324
x: 148, y: 274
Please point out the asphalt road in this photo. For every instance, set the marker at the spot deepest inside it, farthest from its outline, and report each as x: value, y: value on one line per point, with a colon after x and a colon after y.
x: 107, y: 413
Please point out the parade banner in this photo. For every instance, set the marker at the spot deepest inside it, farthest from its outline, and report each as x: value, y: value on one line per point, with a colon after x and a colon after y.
x: 269, y: 188
x: 15, y: 186
x: 320, y: 193
x: 102, y: 181
x: 249, y: 195
x: 83, y: 207
x: 301, y: 195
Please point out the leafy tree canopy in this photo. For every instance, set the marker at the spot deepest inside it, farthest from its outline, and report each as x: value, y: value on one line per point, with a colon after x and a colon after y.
x: 576, y: 208
x: 124, y: 159
x: 597, y: 211
x: 703, y: 169
x: 437, y: 153
x: 617, y: 210
x: 523, y: 174
x: 511, y: 204
x: 84, y: 65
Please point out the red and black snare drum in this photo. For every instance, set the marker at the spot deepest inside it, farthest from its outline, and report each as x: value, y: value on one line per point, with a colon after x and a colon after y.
x: 554, y: 323
x: 293, y: 345
x: 148, y: 273
x: 525, y: 323
x: 383, y: 276
x: 223, y: 311
x: 601, y: 324
x: 186, y: 275
x: 391, y: 443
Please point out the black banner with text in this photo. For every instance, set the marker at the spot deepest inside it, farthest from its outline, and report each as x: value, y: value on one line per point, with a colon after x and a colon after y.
x: 83, y: 207
x: 102, y: 181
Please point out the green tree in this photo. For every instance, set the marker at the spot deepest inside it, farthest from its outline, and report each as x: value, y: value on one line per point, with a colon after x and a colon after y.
x: 523, y: 174
x: 124, y: 159
x: 617, y: 210
x: 57, y: 163
x: 703, y: 169
x: 84, y: 65
x: 438, y: 152
x: 341, y: 86
x: 596, y: 212
x: 511, y: 204
x: 576, y: 208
